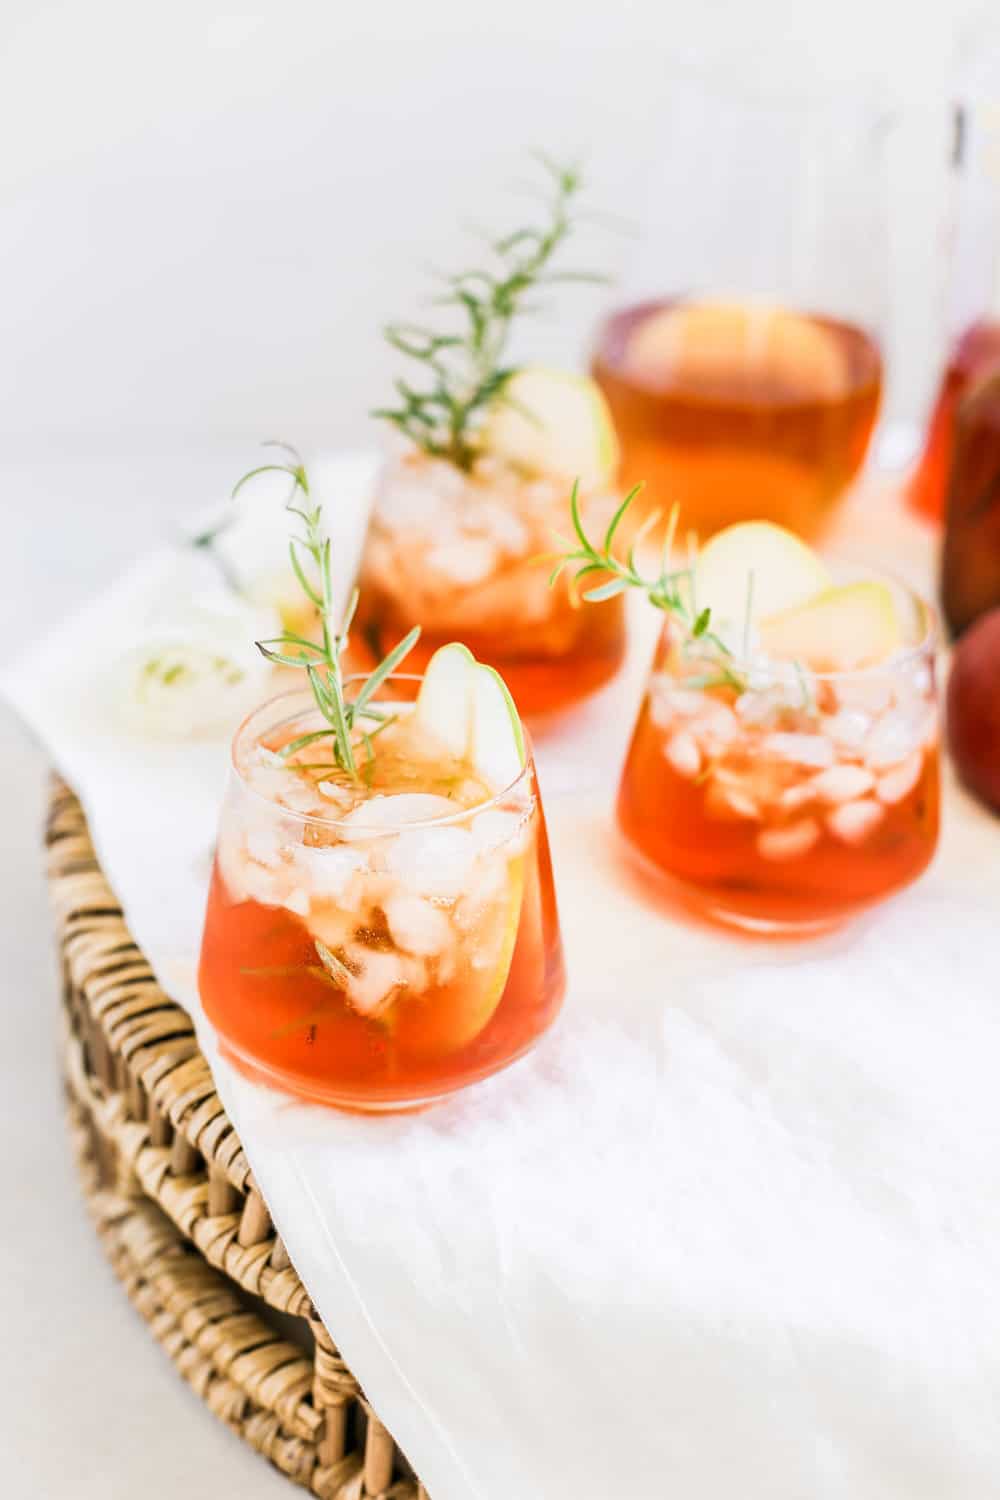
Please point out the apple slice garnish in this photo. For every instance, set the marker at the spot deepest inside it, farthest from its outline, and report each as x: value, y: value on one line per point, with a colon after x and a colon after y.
x: 839, y: 630
x: 468, y: 706
x: 751, y: 570
x: 553, y: 422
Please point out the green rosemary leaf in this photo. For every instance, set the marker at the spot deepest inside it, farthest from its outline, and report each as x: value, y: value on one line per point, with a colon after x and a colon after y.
x: 606, y: 590
x: 332, y: 964
x: 574, y: 510
x: 580, y: 278
x: 323, y: 663
x: 338, y: 716
x: 596, y: 565
x: 254, y: 473
x: 464, y: 369
x: 289, y: 638
x: 387, y: 665
x: 663, y: 591
x: 304, y: 583
x: 281, y: 658
x: 609, y: 535
x: 640, y: 537
x: 294, y: 746
x: 349, y: 613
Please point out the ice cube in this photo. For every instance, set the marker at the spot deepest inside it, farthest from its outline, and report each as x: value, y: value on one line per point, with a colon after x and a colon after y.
x: 418, y: 497
x: 898, y: 783
x: 380, y: 976
x: 329, y: 872
x: 797, y: 796
x: 681, y: 750
x: 486, y: 885
x: 667, y: 702
x: 496, y: 828
x: 500, y: 525
x: 789, y: 842
x: 397, y: 810
x: 341, y: 799
x: 800, y: 749
x: 716, y: 727
x: 332, y: 924
x: 286, y: 787
x: 463, y: 562
x: 230, y: 859
x: 870, y: 693
x: 433, y: 861
x: 246, y: 880
x: 786, y: 685
x: 264, y: 844
x: 842, y: 783
x: 897, y: 735
x: 852, y: 822
x: 297, y: 901
x: 758, y: 707
x: 417, y: 926
x: 913, y: 687
x: 728, y: 799
x: 848, y: 728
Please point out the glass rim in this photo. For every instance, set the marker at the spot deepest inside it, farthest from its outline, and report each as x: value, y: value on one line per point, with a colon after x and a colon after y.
x: 898, y: 661
x: 356, y: 827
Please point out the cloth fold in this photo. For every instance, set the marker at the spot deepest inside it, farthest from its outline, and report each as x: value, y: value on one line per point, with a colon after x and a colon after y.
x: 732, y: 1228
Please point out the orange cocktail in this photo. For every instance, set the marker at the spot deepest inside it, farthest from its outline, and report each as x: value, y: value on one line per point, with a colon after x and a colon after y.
x: 791, y: 799
x: 377, y: 943
x: 458, y: 554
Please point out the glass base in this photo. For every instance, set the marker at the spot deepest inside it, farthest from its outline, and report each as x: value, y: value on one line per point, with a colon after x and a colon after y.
x: 313, y: 1091
x: 695, y: 903
x: 771, y: 926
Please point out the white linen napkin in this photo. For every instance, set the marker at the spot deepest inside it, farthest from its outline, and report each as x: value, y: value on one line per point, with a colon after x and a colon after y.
x: 732, y: 1229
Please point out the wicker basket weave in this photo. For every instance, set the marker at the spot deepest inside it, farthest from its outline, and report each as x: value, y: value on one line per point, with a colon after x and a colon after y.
x: 177, y: 1209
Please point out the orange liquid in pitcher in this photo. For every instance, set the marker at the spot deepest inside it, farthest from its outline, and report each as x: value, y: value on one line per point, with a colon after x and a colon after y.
x: 737, y: 414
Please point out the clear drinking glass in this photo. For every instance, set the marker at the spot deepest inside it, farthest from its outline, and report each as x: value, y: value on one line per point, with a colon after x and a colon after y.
x: 457, y: 554
x: 742, y: 363
x: 386, y: 957
x: 797, y: 801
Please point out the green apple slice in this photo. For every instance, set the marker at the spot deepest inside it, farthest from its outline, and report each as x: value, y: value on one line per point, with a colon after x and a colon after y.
x: 753, y: 569
x: 553, y: 422
x: 839, y: 630
x: 468, y: 706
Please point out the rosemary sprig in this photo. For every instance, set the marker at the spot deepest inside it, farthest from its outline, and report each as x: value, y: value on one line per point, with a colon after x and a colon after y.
x: 670, y: 590
x: 465, y: 369
x: 311, y: 559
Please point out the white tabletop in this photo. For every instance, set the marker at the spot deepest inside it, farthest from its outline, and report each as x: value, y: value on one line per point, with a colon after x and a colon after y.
x: 74, y: 525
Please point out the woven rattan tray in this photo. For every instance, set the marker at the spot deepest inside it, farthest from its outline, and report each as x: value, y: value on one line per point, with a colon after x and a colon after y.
x: 175, y: 1204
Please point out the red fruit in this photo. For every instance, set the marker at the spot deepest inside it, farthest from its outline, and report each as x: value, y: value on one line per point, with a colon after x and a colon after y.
x: 974, y: 708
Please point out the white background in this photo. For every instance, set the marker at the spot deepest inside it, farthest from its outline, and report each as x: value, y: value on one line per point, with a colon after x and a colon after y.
x: 205, y: 213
